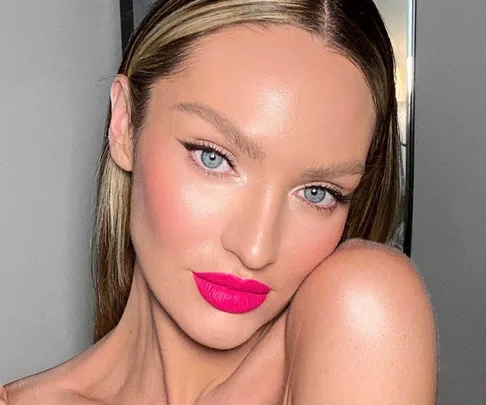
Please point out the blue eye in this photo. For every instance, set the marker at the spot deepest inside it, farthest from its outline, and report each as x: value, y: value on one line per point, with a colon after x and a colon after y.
x: 319, y: 197
x: 211, y: 159
x: 315, y: 195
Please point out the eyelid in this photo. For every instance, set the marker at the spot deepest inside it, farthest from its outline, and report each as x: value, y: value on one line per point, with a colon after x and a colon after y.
x: 337, y: 193
x: 334, y: 189
x: 207, y: 146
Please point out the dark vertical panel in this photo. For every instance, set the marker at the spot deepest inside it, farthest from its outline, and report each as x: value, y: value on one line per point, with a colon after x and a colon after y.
x: 126, y: 18
x: 410, y: 151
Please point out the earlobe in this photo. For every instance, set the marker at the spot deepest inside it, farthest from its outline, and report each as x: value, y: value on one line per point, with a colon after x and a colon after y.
x: 119, y: 132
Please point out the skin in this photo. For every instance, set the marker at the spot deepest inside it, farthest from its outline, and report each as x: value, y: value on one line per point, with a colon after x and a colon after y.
x: 359, y: 328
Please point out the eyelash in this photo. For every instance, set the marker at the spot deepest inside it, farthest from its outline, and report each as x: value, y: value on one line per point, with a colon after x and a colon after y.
x: 209, y: 148
x: 341, y: 198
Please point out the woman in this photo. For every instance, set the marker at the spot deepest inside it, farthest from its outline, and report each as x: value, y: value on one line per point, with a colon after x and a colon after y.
x: 247, y: 143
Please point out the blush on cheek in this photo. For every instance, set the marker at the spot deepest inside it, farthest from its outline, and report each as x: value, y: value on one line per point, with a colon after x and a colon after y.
x: 325, y: 245
x: 179, y: 210
x: 158, y: 192
x: 308, y: 249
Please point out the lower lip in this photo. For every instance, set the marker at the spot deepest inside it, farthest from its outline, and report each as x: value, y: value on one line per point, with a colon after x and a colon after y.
x: 227, y: 300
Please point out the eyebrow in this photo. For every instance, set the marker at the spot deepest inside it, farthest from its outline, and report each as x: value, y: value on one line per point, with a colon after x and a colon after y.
x: 235, y: 136
x: 225, y: 127
x: 334, y: 171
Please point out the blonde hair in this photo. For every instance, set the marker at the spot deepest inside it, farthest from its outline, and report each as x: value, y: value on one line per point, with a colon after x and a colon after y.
x: 159, y: 48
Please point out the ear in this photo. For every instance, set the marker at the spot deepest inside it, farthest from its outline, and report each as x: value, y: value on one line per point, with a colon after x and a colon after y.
x: 119, y: 132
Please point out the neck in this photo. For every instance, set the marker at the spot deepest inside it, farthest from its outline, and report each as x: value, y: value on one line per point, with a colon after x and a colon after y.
x: 148, y: 359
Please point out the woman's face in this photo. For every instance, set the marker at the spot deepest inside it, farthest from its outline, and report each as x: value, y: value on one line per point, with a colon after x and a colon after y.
x: 245, y: 167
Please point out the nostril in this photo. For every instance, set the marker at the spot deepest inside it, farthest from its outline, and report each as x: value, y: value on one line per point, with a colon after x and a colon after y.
x: 253, y: 232
x: 256, y: 247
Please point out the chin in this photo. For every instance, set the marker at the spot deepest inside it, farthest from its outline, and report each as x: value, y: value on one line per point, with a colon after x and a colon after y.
x: 222, y: 331
x: 227, y: 337
x: 222, y: 341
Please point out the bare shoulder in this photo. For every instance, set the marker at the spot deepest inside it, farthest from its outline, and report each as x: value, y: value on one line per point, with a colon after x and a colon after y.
x: 3, y: 396
x: 366, y: 272
x: 35, y: 389
x: 362, y: 320
x: 40, y: 389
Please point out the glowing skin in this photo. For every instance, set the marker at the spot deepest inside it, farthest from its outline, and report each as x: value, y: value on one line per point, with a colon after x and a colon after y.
x: 292, y: 117
x: 298, y: 120
x: 230, y: 179
x: 303, y: 107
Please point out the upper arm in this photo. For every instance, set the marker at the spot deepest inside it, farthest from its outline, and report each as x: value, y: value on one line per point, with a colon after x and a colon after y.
x: 361, y: 331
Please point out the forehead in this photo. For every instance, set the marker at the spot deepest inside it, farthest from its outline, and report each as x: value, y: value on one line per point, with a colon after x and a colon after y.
x: 281, y: 86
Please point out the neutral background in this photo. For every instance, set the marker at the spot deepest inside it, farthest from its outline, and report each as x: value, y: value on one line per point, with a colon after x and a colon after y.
x: 449, y: 221
x: 57, y: 59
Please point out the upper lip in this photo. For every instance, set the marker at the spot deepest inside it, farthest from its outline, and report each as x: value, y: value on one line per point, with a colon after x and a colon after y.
x: 235, y: 283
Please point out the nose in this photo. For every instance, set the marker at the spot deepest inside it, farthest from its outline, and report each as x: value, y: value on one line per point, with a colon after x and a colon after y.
x: 253, y: 230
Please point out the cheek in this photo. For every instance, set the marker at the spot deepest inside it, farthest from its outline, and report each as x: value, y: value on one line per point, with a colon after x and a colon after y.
x: 307, y: 246
x: 171, y: 210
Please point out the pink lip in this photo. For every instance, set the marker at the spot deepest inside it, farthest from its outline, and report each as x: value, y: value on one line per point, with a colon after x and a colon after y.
x: 229, y: 293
